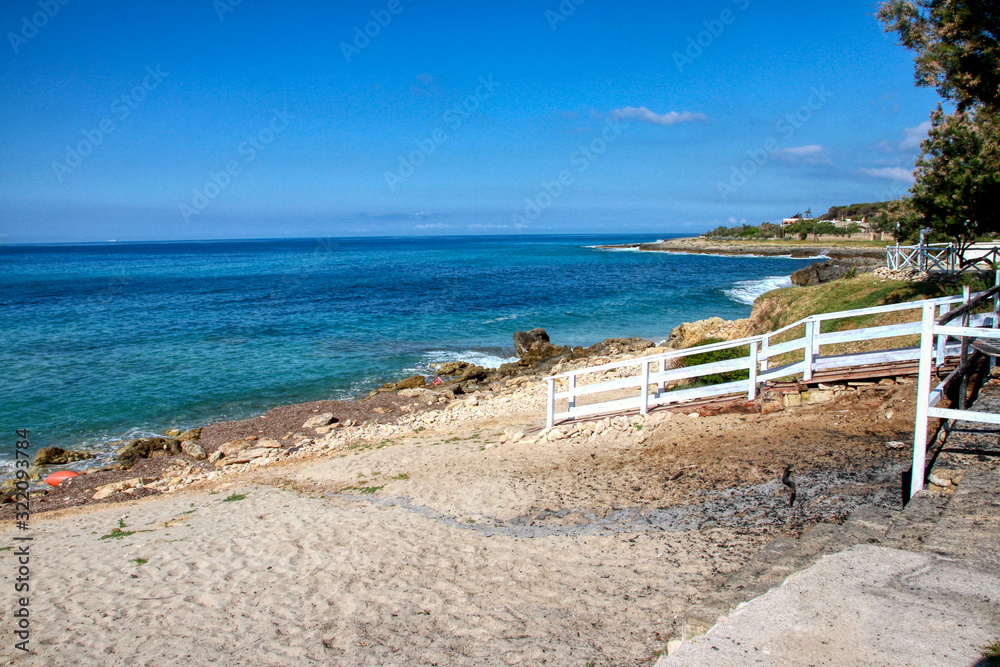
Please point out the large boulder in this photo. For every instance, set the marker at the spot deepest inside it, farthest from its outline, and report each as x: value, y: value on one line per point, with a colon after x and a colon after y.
x: 147, y: 448
x: 689, y: 334
x: 187, y: 436
x: 411, y: 382
x: 474, y: 373
x: 452, y: 368
x: 834, y: 269
x: 614, y: 347
x: 534, y: 345
x: 57, y: 456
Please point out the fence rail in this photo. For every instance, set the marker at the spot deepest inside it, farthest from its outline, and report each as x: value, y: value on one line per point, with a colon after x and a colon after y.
x: 944, y: 258
x: 576, y: 393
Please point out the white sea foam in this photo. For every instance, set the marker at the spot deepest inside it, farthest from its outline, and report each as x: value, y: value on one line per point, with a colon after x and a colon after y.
x: 484, y: 358
x: 746, y: 291
x: 611, y: 249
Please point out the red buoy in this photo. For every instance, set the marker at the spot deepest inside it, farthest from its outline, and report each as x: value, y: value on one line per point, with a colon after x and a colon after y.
x: 57, y: 477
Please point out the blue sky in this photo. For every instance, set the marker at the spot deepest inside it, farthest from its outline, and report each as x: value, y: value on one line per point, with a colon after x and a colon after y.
x: 254, y: 118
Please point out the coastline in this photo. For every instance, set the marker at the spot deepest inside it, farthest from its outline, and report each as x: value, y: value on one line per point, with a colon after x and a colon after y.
x: 445, y: 524
x: 795, y: 250
x: 453, y: 531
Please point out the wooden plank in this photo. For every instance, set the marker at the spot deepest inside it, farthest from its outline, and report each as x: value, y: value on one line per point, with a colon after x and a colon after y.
x: 682, y: 395
x: 870, y: 333
x: 964, y: 415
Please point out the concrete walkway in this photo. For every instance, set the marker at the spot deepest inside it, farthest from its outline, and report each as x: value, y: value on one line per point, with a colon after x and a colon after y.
x: 936, y: 601
x: 868, y: 605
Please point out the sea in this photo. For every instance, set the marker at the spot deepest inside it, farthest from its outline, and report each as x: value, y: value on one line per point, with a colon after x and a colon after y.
x: 110, y: 341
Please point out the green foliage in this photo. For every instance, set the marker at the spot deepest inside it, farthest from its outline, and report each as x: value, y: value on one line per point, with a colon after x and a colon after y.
x: 234, y: 497
x: 139, y: 561
x: 992, y: 654
x: 957, y: 192
x: 714, y: 356
x: 956, y: 46
x: 854, y: 211
x: 117, y: 534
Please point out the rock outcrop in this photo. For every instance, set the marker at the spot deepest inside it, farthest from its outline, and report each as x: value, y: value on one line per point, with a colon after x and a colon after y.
x: 534, y: 345
x: 834, y: 269
x: 147, y: 448
x: 411, y: 382
x: 58, y: 456
x: 693, y: 333
x: 451, y: 368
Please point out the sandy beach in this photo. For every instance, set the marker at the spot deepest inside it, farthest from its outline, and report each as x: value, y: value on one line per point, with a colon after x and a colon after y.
x: 457, y: 533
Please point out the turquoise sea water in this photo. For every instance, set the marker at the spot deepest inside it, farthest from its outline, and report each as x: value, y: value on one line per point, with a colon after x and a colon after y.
x: 106, y: 341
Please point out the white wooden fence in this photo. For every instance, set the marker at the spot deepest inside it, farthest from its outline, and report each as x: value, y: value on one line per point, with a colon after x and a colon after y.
x: 941, y: 257
x: 936, y: 257
x: 589, y: 392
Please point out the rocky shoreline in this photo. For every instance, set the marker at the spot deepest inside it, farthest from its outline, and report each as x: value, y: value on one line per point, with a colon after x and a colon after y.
x: 176, y: 459
x: 703, y: 246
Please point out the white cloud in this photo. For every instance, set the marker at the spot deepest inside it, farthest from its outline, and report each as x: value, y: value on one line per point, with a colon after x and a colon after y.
x: 914, y: 136
x: 646, y: 116
x: 891, y: 173
x: 812, y: 154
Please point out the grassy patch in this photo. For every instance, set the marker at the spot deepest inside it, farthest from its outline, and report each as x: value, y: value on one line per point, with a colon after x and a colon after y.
x: 715, y: 356
x: 234, y: 497
x: 117, y: 534
x: 139, y: 561
x: 992, y: 654
x: 365, y: 489
x: 402, y: 475
x: 780, y: 308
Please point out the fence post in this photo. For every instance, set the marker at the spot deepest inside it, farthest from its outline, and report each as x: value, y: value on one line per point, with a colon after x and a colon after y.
x: 765, y: 346
x: 644, y: 406
x: 966, y: 319
x: 941, y: 340
x: 923, y: 399
x: 752, y: 393
x: 572, y: 393
x: 807, y: 374
x: 550, y: 420
x: 996, y: 313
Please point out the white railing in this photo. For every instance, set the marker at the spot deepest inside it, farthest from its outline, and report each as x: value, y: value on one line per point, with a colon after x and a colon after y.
x: 933, y: 333
x: 944, y: 258
x: 938, y: 257
x: 648, y: 381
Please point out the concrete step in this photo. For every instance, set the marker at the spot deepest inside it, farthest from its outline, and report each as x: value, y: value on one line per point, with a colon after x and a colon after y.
x: 910, y: 528
x: 781, y: 558
x: 969, y: 528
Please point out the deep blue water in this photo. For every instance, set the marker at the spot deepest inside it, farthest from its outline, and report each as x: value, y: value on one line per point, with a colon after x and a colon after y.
x: 103, y: 341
